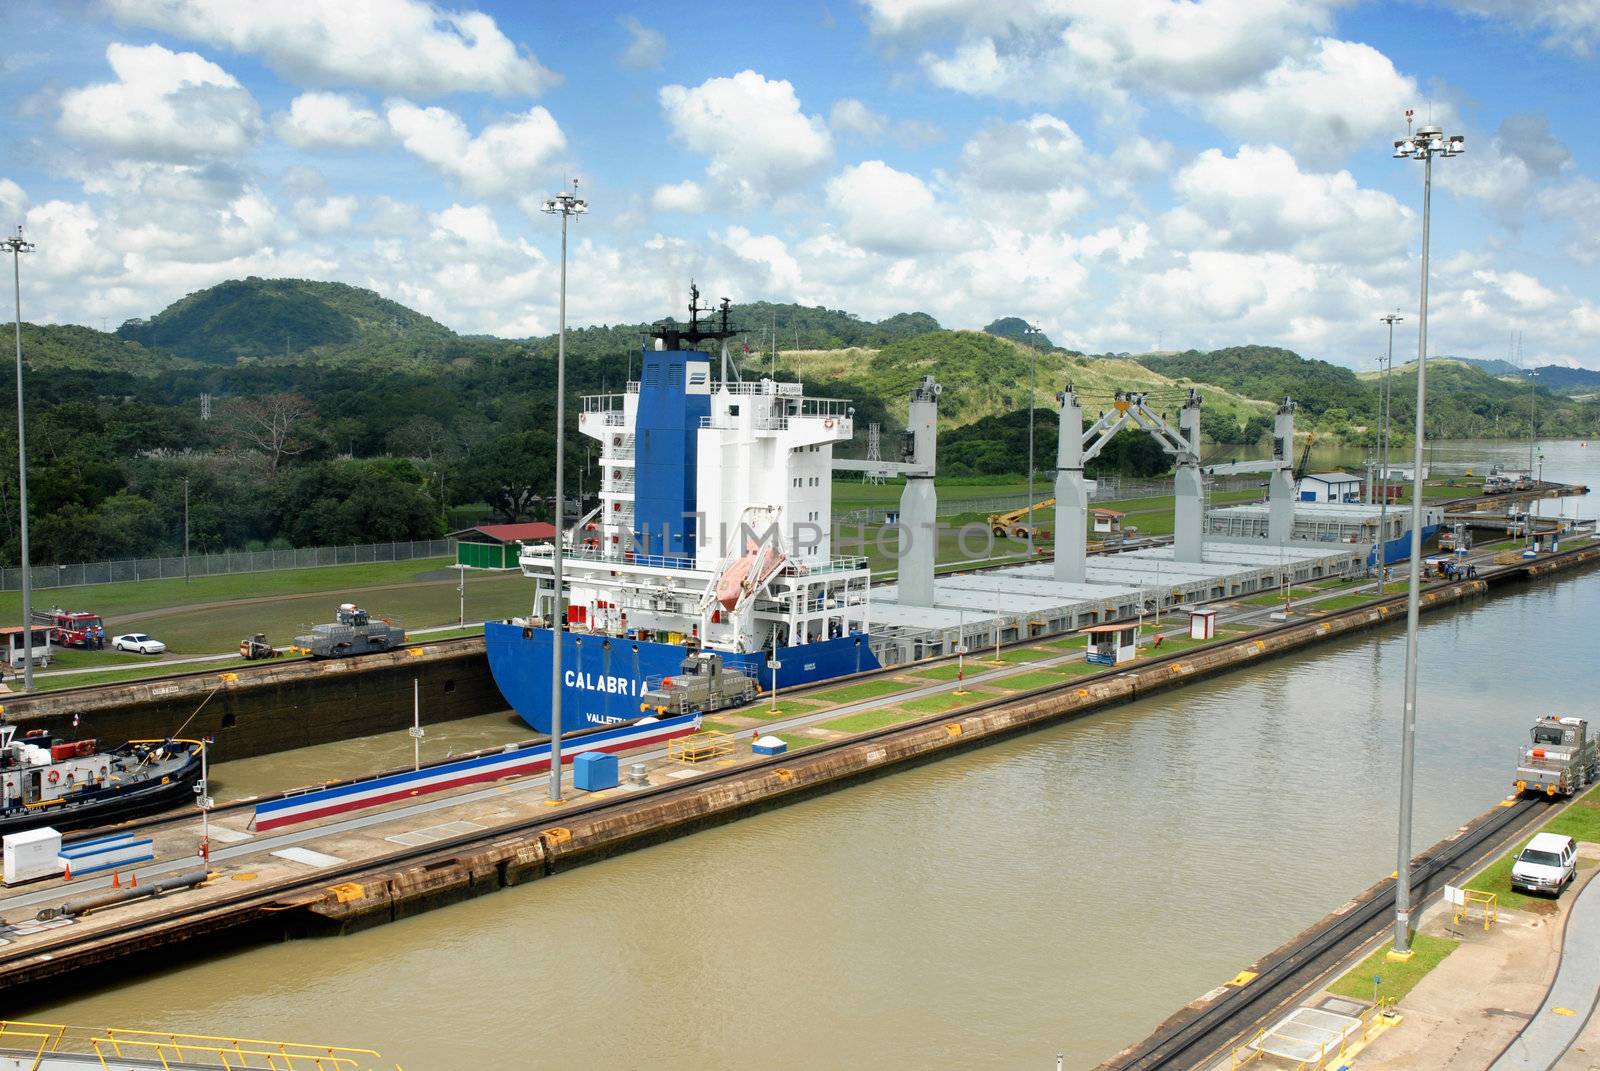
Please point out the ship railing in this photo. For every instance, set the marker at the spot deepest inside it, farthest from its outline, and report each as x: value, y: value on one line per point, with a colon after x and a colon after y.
x: 617, y: 445
x: 832, y: 565
x: 658, y: 561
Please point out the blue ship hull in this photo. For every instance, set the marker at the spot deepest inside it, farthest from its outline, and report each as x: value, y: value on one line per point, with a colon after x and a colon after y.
x: 1400, y: 547
x: 604, y: 676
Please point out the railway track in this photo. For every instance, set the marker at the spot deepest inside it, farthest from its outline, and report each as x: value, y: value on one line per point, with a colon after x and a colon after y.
x: 1288, y: 974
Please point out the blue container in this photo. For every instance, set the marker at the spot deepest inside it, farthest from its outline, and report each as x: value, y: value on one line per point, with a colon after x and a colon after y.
x: 594, y: 771
x: 758, y: 748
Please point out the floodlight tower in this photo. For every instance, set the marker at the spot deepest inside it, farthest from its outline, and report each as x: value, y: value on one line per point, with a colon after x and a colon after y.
x: 1424, y: 145
x: 1072, y: 493
x: 566, y: 205
x: 16, y: 246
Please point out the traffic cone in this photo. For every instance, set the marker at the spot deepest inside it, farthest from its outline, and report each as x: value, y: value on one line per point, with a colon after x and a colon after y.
x: 116, y: 881
x: 133, y: 879
x: 66, y: 873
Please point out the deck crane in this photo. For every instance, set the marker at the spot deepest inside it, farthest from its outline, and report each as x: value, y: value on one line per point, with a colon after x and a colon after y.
x: 1077, y: 445
x: 1283, y: 478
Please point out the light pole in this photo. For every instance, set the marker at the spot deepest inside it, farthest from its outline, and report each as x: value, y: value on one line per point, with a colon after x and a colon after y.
x: 17, y: 246
x: 566, y: 205
x: 1033, y: 386
x: 1533, y: 418
x: 1383, y: 509
x: 1424, y: 145
x: 186, y: 529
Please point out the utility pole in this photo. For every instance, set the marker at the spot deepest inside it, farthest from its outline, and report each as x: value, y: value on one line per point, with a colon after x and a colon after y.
x: 566, y: 205
x: 1383, y: 509
x: 1424, y: 145
x: 186, y: 529
x: 17, y: 246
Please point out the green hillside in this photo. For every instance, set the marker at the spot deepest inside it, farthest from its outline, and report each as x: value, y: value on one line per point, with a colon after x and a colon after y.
x: 271, y: 317
x: 69, y: 347
x: 985, y: 376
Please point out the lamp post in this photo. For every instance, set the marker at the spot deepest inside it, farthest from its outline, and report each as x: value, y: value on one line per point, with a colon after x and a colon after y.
x: 186, y: 529
x: 17, y: 246
x: 1424, y: 145
x: 1533, y: 417
x: 566, y: 205
x: 1033, y: 386
x: 1383, y: 509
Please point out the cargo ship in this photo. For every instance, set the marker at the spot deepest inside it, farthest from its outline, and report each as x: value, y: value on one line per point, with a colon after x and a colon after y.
x: 712, y: 534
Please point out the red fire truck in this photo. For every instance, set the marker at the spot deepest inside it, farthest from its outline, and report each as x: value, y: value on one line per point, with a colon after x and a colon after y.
x: 73, y: 628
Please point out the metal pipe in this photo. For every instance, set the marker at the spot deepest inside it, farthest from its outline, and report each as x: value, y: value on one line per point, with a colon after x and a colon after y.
x: 104, y: 898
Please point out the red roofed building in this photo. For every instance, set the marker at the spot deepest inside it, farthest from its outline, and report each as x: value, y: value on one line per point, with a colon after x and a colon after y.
x: 495, y: 546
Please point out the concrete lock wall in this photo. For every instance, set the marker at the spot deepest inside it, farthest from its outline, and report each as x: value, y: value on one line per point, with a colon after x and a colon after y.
x: 257, y: 710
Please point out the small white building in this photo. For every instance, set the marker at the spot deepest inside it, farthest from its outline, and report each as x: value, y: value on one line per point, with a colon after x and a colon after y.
x: 1330, y: 487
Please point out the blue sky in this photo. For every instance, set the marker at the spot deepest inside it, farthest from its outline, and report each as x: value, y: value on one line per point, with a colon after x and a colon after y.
x: 1122, y: 173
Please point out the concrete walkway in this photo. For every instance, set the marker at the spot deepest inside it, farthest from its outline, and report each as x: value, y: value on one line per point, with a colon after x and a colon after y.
x: 1572, y: 996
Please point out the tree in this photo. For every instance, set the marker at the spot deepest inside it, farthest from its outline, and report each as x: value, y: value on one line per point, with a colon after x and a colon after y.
x: 271, y: 425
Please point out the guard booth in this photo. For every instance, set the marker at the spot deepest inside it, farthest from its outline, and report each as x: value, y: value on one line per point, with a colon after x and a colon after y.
x: 1202, y: 624
x: 1107, y: 523
x: 1111, y: 645
x: 16, y: 646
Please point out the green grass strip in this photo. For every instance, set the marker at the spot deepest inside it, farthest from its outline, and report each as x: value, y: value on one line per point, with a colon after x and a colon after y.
x: 868, y: 720
x: 938, y: 704
x: 796, y: 741
x: 1399, y: 978
x: 718, y: 727
x: 1039, y: 678
x: 941, y: 673
x: 762, y: 709
x: 851, y: 693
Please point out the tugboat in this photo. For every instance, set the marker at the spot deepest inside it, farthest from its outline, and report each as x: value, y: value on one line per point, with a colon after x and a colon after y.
x: 66, y: 784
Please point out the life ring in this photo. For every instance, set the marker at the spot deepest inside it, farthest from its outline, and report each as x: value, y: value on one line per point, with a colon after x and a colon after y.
x: 828, y: 423
x: 55, y: 775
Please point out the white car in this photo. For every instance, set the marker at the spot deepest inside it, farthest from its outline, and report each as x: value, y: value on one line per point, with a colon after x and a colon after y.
x: 138, y: 643
x: 1547, y: 865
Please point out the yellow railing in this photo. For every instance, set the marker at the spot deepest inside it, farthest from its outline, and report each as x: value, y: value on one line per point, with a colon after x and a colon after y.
x: 1488, y: 904
x: 1251, y: 1050
x: 699, y: 747
x: 165, y: 1049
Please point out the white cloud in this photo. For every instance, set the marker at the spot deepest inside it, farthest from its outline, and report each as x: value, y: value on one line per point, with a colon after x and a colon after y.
x: 685, y: 196
x: 646, y: 47
x: 327, y: 215
x: 13, y: 202
x: 403, y: 46
x: 1260, y: 200
x: 1567, y: 25
x: 888, y: 211
x: 506, y: 157
x: 163, y: 106
x: 330, y: 121
x: 752, y: 131
x: 851, y: 116
x: 1050, y: 49
x: 1577, y: 206
x: 1322, y: 106
x: 1034, y: 155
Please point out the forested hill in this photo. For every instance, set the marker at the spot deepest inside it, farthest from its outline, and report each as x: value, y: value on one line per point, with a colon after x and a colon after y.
x: 1268, y: 373
x: 269, y: 317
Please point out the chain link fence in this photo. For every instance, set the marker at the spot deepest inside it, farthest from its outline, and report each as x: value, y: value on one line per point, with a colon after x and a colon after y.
x: 233, y: 561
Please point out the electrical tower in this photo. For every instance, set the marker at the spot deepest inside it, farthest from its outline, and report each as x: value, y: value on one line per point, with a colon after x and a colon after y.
x: 205, y: 407
x: 874, y: 453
